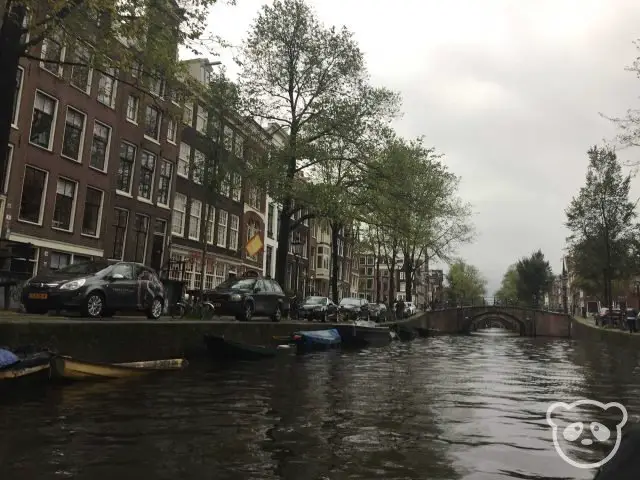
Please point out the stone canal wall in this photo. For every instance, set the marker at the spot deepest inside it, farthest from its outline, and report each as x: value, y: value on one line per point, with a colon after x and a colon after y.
x: 584, y: 329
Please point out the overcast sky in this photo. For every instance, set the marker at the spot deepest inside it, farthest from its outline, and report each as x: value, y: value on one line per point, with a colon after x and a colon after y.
x: 509, y: 90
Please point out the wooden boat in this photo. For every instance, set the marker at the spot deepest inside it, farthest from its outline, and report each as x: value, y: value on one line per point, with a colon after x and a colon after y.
x: 362, y: 334
x: 221, y: 348
x: 72, y: 369
x: 314, y: 340
x: 29, y: 367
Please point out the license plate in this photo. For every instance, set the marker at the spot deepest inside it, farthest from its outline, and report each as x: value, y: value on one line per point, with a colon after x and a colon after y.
x: 38, y: 296
x: 217, y: 305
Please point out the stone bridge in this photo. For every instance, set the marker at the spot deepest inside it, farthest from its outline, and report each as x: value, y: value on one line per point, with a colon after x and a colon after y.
x: 526, y: 321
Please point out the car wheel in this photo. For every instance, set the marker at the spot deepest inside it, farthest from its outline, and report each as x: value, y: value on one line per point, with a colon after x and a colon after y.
x: 155, y: 310
x: 277, y: 315
x: 247, y: 312
x: 94, y: 305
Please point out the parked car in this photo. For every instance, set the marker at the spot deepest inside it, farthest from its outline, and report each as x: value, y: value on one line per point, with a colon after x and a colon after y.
x: 378, y: 311
x: 317, y: 308
x: 248, y: 297
x: 352, y: 308
x: 96, y: 289
x: 409, y: 309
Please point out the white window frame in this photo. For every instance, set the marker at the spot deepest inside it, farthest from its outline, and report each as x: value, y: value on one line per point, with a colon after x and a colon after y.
x: 236, y: 187
x: 159, y: 121
x: 53, y: 122
x: 184, y: 147
x: 126, y: 233
x: 153, y: 176
x: 164, y: 161
x: 88, y: 87
x: 172, y: 133
x: 222, y: 227
x: 42, y: 200
x: 211, y: 225
x: 133, y: 120
x: 188, y: 107
x: 16, y: 116
x: 238, y: 147
x: 114, y: 88
x: 43, y: 52
x: 198, y: 219
x: 176, y: 197
x: 201, y: 119
x: 133, y: 169
x: 107, y: 149
x: 82, y: 134
x: 100, y: 212
x: 74, y: 202
x: 234, y: 233
x: 197, y: 171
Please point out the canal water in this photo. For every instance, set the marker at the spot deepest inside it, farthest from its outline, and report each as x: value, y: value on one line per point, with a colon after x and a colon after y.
x: 468, y: 408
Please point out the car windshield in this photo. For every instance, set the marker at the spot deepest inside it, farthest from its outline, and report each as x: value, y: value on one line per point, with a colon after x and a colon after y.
x: 314, y: 301
x: 350, y: 301
x: 84, y: 268
x: 238, y: 284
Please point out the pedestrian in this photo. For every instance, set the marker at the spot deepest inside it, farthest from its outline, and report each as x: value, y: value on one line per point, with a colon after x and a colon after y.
x: 400, y: 309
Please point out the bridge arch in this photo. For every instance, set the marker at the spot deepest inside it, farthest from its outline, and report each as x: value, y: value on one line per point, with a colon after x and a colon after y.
x: 506, y: 319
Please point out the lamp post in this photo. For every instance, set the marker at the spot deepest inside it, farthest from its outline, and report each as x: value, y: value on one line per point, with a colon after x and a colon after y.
x: 297, y: 253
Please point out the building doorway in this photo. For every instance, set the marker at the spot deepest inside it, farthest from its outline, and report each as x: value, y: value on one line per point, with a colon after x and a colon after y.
x: 157, y: 245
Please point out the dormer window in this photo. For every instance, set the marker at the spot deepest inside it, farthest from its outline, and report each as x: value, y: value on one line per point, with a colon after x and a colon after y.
x: 205, y: 74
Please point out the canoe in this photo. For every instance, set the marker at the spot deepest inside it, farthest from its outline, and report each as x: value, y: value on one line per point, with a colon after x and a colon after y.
x: 314, y: 340
x: 221, y: 348
x: 29, y: 367
x: 72, y: 369
x: 363, y: 334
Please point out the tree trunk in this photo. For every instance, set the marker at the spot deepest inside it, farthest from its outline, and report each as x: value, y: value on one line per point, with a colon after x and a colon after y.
x: 282, y: 251
x: 10, y: 52
x: 335, y: 230
x: 203, y: 234
x: 377, y: 275
x: 408, y: 274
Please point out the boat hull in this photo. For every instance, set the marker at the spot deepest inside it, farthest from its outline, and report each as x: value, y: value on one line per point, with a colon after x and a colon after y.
x: 71, y: 369
x: 223, y: 349
x: 316, y: 340
x: 28, y: 368
x: 357, y: 336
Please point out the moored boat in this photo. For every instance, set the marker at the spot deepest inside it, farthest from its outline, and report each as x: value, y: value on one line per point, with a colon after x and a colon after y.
x: 363, y: 333
x: 72, y: 369
x: 221, y: 348
x: 314, y: 340
x: 34, y: 366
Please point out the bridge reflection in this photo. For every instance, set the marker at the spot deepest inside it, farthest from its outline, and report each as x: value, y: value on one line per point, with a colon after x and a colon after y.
x: 496, y: 325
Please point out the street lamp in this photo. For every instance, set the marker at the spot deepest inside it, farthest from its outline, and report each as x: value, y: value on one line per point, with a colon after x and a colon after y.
x: 296, y: 245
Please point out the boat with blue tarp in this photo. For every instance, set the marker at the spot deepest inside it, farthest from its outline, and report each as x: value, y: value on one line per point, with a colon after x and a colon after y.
x: 314, y: 340
x: 23, y: 364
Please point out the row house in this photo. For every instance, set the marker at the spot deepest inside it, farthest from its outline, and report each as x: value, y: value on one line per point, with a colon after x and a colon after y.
x: 88, y: 155
x: 322, y: 259
x: 225, y: 219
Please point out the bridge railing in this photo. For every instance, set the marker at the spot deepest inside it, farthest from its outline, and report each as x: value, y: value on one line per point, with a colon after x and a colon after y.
x: 495, y: 301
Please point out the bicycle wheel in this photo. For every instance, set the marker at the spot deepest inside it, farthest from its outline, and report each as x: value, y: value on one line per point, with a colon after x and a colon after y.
x: 206, y: 311
x: 178, y: 311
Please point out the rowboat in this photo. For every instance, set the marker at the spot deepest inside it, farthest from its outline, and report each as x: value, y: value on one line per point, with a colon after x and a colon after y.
x: 221, y: 348
x: 72, y: 369
x: 363, y: 333
x: 313, y: 340
x: 27, y: 367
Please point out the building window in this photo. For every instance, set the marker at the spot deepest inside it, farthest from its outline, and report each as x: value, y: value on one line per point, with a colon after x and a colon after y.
x: 171, y: 131
x: 199, y: 160
x: 238, y: 146
x: 64, y: 206
x: 58, y: 260
x: 125, y: 168
x: 195, y: 215
x: 236, y: 187
x: 17, y: 97
x: 222, y: 228
x: 253, y: 228
x: 164, y: 183
x: 225, y: 185
x: 100, y: 146
x: 228, y: 139
x: 201, y: 120
x: 179, y: 211
x: 233, y: 232
x: 147, y: 169
x: 187, y: 115
x: 270, y: 213
x: 107, y: 87
x: 34, y: 187
x: 132, y: 108
x: 152, y: 120
x: 52, y: 55
x: 142, y: 232
x: 254, y: 198
x: 269, y: 260
x: 92, y: 212
x: 73, y: 134
x: 82, y: 75
x: 120, y: 221
x: 211, y: 219
x: 156, y: 84
x: 184, y: 159
x: 43, y: 120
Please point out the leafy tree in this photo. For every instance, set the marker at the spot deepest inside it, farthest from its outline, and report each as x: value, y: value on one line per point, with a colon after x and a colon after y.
x: 603, y: 244
x: 534, y: 278
x: 508, y: 291
x: 311, y: 80
x: 465, y: 283
x: 114, y: 37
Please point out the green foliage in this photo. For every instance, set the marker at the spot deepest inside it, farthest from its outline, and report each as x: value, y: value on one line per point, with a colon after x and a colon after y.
x: 534, y: 278
x: 465, y: 283
x: 603, y: 244
x: 508, y: 291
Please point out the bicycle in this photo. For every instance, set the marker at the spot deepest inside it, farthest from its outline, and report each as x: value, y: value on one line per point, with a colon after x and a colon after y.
x: 203, y: 310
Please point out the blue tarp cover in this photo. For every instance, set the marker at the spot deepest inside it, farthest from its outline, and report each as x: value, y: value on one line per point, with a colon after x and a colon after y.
x: 327, y: 337
x: 7, y: 358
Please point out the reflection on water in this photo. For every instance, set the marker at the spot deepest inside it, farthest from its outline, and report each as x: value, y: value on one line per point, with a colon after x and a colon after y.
x: 469, y: 407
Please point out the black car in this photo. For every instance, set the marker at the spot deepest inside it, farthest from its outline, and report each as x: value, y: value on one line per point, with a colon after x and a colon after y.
x: 378, y: 311
x: 246, y: 297
x: 96, y: 289
x: 352, y: 308
x: 317, y: 308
